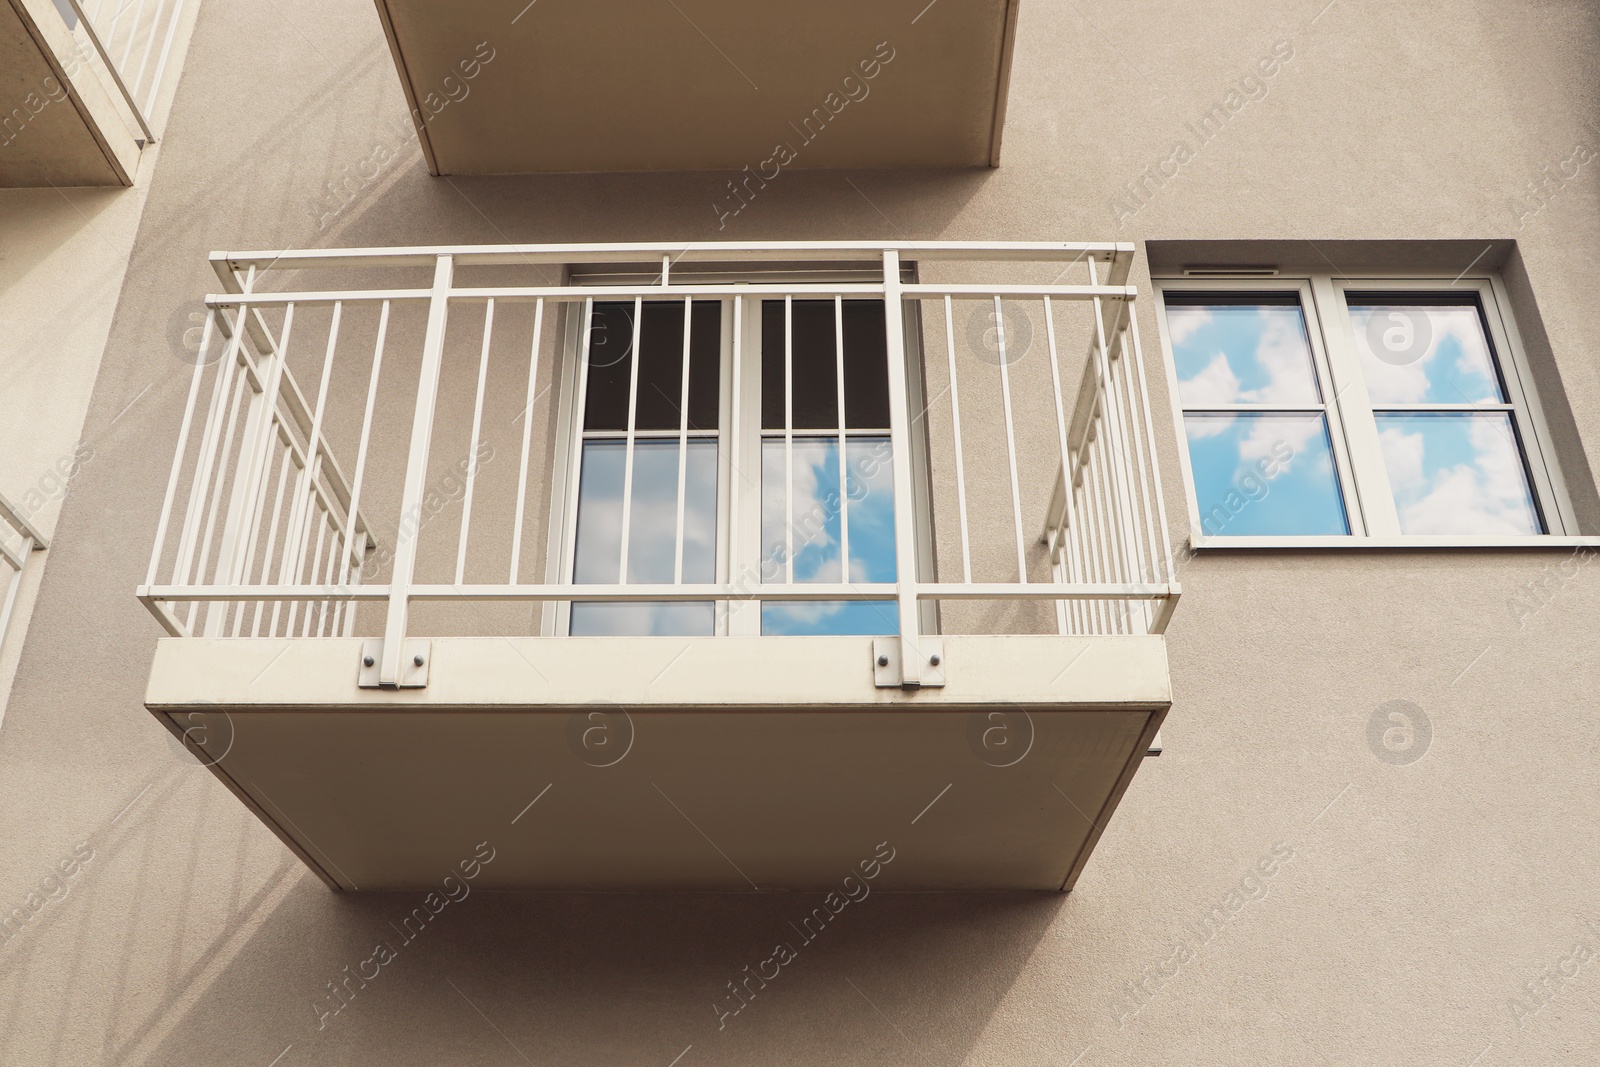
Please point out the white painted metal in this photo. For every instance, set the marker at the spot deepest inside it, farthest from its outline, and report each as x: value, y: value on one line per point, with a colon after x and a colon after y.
x: 115, y: 69
x: 527, y: 439
x: 1107, y: 546
x: 29, y: 540
x: 955, y: 433
x: 683, y: 426
x: 472, y: 449
x: 1011, y: 442
x: 912, y: 663
x: 405, y: 552
x: 844, y: 452
x: 631, y: 437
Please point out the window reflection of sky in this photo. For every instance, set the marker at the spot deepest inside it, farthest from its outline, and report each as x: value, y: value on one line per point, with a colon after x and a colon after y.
x: 1264, y: 474
x: 1457, y: 473
x: 815, y: 521
x: 1268, y: 473
x: 652, y: 534
x: 1452, y: 363
x: 1242, y: 354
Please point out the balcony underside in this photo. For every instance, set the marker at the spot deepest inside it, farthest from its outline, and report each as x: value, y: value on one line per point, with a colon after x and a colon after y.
x: 62, y: 126
x: 703, y: 84
x: 720, y: 764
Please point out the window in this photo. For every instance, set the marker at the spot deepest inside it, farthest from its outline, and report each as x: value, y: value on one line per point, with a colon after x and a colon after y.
x: 1334, y: 410
x: 658, y: 439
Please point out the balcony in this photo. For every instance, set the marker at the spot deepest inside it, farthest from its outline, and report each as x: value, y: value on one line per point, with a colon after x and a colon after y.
x: 19, y: 540
x: 703, y: 84
x: 884, y: 523
x: 86, y: 78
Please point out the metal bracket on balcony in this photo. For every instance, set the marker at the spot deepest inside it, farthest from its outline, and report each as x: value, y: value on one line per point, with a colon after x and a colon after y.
x: 886, y: 662
x: 413, y: 666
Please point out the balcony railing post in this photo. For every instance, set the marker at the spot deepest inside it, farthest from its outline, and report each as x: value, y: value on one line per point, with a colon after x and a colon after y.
x: 393, y: 668
x: 912, y: 655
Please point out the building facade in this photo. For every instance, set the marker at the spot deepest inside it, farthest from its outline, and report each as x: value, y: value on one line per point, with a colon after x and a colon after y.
x: 953, y: 533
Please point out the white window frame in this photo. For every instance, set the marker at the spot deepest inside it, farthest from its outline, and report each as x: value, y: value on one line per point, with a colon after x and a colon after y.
x: 1352, y: 427
x: 739, y: 460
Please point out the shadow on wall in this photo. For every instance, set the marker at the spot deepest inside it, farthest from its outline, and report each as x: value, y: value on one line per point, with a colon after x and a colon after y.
x: 606, y: 979
x: 242, y: 956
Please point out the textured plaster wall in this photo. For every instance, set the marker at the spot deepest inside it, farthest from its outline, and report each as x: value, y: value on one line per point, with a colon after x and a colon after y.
x: 1330, y: 906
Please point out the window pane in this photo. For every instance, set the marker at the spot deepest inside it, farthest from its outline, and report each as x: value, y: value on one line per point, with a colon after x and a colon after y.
x: 816, y: 397
x: 815, y: 384
x: 660, y: 394
x: 866, y: 367
x: 1264, y: 474
x: 705, y: 364
x: 815, y: 521
x: 610, y: 357
x: 1241, y: 350
x: 1425, y: 351
x: 652, y: 539
x: 1457, y: 473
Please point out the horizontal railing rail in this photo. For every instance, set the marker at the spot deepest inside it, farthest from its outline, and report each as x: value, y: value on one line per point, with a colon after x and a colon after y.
x: 1022, y: 454
x: 134, y: 40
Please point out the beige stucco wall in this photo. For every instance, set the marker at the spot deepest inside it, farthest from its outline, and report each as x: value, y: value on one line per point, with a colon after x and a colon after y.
x: 1407, y: 906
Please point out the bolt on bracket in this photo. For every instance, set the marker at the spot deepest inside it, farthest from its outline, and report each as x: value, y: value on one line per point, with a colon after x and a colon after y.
x: 886, y: 662
x: 413, y: 666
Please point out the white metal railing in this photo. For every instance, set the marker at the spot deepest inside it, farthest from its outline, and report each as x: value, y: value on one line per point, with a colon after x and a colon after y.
x: 134, y: 40
x: 1039, y: 482
x: 18, y: 542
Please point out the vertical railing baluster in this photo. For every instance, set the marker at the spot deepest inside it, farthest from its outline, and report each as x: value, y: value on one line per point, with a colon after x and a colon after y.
x: 1068, y: 517
x: 955, y: 433
x: 1011, y: 443
x: 683, y: 429
x: 905, y: 530
x: 472, y: 448
x: 844, y: 487
x: 1159, y: 624
x: 267, y: 557
x: 788, y: 441
x: 358, y: 558
x: 182, y: 448
x: 631, y: 439
x: 239, y: 388
x: 527, y: 439
x: 392, y: 668
x: 1119, y: 448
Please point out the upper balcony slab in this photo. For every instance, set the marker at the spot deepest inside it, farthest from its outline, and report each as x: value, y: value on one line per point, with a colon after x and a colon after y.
x: 62, y: 124
x: 631, y: 85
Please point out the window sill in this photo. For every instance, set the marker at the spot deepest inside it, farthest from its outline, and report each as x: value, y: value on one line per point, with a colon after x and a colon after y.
x: 1201, y: 542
